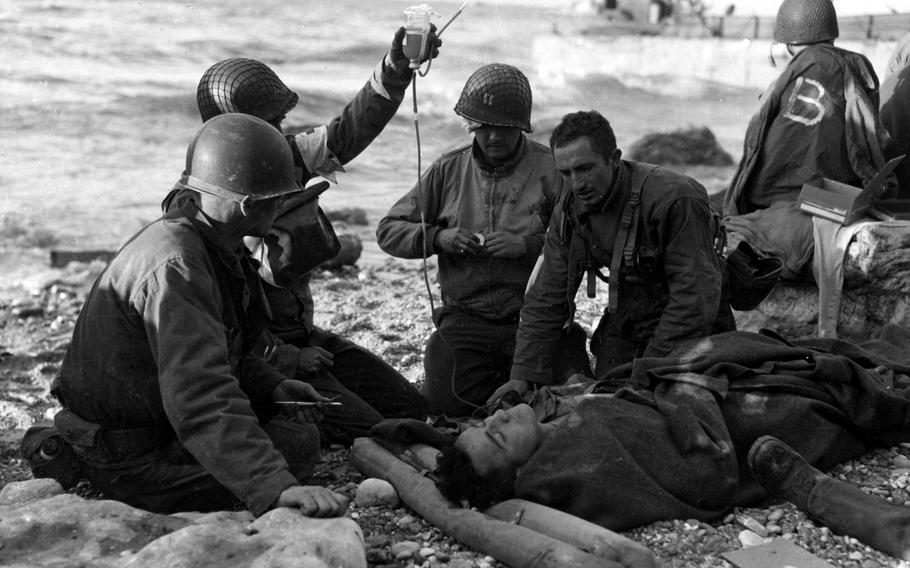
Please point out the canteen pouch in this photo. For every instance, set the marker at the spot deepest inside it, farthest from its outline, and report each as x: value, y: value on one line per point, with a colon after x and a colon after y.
x: 49, y: 456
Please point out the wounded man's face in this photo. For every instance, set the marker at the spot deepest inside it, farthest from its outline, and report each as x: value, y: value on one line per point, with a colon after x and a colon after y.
x: 504, y: 442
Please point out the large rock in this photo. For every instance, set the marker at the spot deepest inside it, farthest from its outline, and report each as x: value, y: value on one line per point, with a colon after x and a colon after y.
x: 348, y: 216
x: 40, y: 526
x: 687, y: 146
x: 876, y: 290
x: 351, y: 249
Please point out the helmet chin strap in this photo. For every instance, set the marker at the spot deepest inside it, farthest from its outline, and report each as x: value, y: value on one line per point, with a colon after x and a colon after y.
x: 193, y: 183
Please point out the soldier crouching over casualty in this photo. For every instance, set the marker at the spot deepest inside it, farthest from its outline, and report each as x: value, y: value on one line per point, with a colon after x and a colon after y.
x: 164, y: 406
x: 655, y: 232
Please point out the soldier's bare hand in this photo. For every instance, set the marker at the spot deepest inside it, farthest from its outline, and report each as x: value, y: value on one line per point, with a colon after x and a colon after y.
x: 517, y: 385
x: 505, y: 245
x: 291, y: 390
x: 457, y: 241
x: 314, y: 501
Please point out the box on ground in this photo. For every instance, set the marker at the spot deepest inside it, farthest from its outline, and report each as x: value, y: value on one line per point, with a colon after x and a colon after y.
x: 840, y: 202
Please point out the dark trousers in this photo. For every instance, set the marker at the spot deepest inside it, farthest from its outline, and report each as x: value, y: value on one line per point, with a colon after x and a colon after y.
x: 172, y: 481
x: 846, y: 509
x: 467, y: 358
x: 368, y: 388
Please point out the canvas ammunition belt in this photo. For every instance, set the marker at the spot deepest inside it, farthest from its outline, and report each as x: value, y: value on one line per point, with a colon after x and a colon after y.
x: 109, y: 445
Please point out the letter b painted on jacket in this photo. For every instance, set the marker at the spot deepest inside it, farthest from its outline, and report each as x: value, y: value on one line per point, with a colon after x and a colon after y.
x: 806, y: 104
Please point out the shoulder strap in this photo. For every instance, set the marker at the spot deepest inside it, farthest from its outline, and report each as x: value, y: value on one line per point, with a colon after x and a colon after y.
x: 624, y: 246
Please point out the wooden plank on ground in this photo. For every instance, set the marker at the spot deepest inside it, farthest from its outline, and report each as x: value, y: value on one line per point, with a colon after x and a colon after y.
x: 60, y: 258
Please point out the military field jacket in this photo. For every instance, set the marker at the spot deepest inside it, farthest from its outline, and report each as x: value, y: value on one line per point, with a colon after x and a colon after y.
x: 160, y: 344
x: 818, y: 119
x: 325, y: 149
x: 457, y: 192
x: 671, y: 293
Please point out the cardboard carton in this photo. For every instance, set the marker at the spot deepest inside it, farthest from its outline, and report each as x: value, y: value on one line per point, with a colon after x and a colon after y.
x: 840, y: 202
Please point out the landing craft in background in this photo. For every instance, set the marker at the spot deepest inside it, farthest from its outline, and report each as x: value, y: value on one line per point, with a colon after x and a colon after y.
x: 654, y: 10
x: 879, y: 20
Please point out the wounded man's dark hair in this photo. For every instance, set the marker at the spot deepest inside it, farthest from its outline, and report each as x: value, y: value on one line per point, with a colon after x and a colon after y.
x: 458, y: 481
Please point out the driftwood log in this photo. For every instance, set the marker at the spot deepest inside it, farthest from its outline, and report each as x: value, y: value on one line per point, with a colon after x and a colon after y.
x: 508, y: 542
x: 573, y: 530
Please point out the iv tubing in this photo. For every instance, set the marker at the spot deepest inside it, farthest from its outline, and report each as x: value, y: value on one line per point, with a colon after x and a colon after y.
x: 423, y: 221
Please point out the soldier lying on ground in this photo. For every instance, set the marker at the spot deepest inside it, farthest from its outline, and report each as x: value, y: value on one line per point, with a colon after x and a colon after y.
x: 687, y: 437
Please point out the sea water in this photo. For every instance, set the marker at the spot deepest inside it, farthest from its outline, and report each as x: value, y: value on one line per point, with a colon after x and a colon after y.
x: 97, y: 97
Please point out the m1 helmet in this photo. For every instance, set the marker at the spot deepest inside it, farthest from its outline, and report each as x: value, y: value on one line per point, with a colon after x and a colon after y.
x: 243, y: 85
x: 497, y: 95
x: 803, y: 22
x: 240, y: 157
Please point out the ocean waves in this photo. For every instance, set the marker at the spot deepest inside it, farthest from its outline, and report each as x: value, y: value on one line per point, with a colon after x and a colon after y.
x: 98, y: 97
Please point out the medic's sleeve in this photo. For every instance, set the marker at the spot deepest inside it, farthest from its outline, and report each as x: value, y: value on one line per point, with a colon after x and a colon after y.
x: 327, y: 148
x: 203, y: 399
x: 546, y: 310
x: 693, y: 274
x: 402, y: 231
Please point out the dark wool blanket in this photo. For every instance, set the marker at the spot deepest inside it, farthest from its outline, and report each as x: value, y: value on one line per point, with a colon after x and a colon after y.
x: 673, y: 443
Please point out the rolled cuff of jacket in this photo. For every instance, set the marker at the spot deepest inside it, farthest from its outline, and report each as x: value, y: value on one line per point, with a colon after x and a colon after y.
x: 433, y: 248
x: 266, y: 495
x: 267, y: 378
x: 392, y: 77
x: 532, y: 375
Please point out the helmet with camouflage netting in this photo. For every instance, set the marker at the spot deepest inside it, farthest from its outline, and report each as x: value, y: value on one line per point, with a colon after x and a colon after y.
x: 497, y: 95
x: 803, y: 22
x: 243, y: 85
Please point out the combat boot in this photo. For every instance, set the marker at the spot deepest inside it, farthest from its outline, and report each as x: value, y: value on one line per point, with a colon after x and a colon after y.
x: 782, y: 471
x: 840, y: 506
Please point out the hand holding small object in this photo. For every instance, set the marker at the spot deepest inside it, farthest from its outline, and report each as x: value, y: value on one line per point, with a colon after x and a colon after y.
x: 291, y: 391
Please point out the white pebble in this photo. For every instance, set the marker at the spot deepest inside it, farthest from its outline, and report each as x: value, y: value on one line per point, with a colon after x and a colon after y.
x: 374, y: 492
x: 748, y: 538
x: 426, y: 552
x: 753, y: 525
x: 404, y: 549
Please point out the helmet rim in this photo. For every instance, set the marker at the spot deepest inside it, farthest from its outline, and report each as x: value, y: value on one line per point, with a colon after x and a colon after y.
x: 240, y: 157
